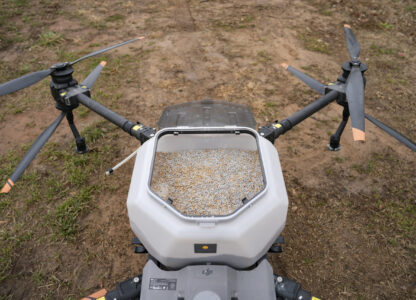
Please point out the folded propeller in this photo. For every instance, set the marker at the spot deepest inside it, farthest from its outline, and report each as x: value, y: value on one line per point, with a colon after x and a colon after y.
x: 352, y: 84
x: 62, y: 70
x: 32, y: 78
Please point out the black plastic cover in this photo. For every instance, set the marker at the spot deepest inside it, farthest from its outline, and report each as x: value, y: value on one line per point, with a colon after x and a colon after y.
x: 207, y: 113
x: 205, y: 248
x: 126, y: 290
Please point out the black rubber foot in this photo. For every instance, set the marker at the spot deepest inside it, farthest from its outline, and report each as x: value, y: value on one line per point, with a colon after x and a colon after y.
x: 81, y: 147
x: 82, y: 151
x: 334, y: 148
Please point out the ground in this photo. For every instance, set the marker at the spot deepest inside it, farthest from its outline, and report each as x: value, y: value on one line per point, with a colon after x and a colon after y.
x: 351, y: 231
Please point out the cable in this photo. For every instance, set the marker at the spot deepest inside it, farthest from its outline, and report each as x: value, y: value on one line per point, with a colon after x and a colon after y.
x: 111, y: 170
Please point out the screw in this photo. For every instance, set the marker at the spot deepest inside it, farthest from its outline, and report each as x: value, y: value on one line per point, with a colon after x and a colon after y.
x: 136, y: 279
x: 279, y: 279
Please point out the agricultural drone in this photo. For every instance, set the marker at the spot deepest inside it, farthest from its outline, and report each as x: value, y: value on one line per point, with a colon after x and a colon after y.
x: 221, y: 255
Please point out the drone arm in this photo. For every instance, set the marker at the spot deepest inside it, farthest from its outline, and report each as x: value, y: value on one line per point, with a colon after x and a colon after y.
x: 139, y: 131
x: 274, y: 130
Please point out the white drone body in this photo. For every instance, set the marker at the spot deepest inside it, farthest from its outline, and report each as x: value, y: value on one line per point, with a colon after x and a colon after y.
x: 238, y: 239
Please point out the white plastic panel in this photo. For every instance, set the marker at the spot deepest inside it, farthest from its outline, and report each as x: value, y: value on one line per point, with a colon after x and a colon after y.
x: 241, y: 240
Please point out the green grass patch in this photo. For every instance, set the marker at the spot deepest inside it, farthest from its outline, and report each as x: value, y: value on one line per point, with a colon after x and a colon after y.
x: 411, y: 9
x: 64, y: 55
x: 17, y: 111
x: 65, y: 217
x: 49, y: 39
x: 326, y: 12
x: 93, y: 45
x: 19, y: 3
x: 83, y: 111
x: 9, y: 39
x: 382, y: 50
x: 269, y: 92
x: 385, y: 26
x: 115, y: 18
x: 314, y: 43
x: 99, y: 25
x: 55, y: 188
x: 11, y: 240
x: 263, y: 57
x: 93, y: 133
x: 230, y: 25
x: 7, y: 164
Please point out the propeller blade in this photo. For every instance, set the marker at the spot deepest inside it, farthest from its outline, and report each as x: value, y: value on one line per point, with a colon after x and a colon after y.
x: 92, y: 77
x: 355, y: 97
x: 30, y: 155
x: 22, y: 82
x: 106, y: 49
x: 352, y: 43
x: 392, y: 132
x: 312, y: 83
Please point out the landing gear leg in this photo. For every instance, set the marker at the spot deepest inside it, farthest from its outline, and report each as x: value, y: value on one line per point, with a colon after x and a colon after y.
x: 334, y: 144
x: 79, y: 140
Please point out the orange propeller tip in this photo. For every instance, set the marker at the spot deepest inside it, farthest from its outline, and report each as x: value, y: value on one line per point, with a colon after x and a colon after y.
x: 103, y: 63
x: 6, y: 188
x: 284, y: 65
x: 358, y: 135
x: 140, y: 37
x: 347, y: 26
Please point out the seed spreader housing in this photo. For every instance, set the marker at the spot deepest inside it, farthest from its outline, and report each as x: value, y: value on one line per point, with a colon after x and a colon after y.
x: 238, y: 237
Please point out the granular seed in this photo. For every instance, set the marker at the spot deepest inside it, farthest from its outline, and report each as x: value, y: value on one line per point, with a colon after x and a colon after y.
x: 207, y: 182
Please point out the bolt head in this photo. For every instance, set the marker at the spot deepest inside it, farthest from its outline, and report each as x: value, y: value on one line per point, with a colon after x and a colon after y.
x: 279, y: 279
x: 136, y: 279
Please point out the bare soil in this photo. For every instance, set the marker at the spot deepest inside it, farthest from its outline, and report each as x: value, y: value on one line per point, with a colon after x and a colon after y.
x: 351, y: 226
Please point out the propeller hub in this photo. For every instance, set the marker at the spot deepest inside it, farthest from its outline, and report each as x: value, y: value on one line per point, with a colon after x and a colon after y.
x: 60, y: 65
x: 347, y: 66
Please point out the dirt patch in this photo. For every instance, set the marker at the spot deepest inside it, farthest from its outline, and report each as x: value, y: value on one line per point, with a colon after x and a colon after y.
x: 351, y: 223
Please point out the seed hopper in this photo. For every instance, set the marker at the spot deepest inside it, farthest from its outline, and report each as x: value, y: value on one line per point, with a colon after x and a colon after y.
x: 207, y: 199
